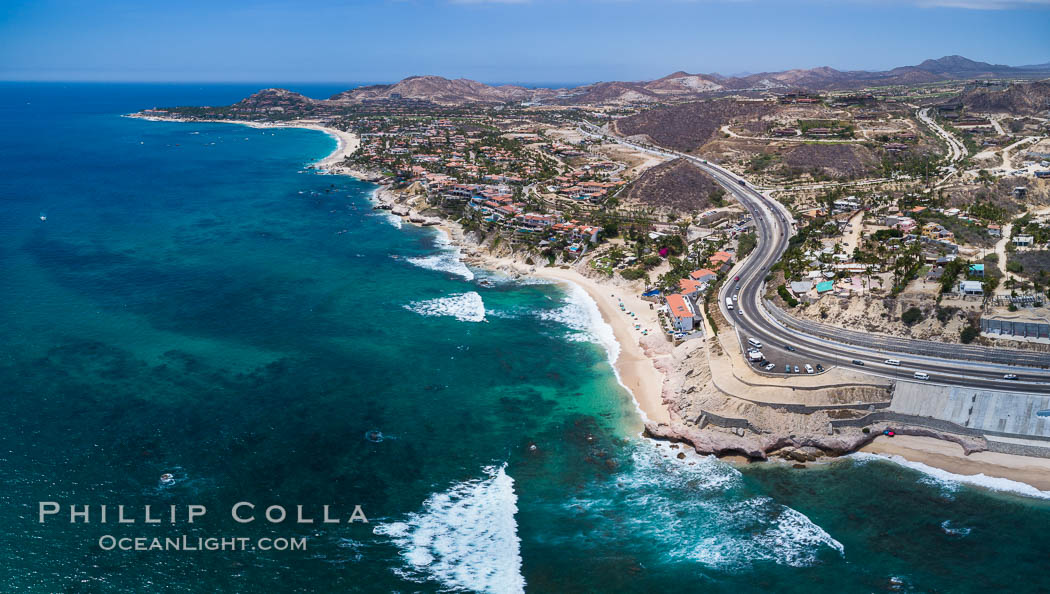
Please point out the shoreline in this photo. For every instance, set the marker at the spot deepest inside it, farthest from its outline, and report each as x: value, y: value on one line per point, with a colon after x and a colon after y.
x: 346, y: 142
x: 638, y: 369
x: 641, y: 365
x: 635, y: 368
x: 949, y: 457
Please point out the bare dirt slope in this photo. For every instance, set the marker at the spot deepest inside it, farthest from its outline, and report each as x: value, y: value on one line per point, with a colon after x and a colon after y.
x: 677, y: 185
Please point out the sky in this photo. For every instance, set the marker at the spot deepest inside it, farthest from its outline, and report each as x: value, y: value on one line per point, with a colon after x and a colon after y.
x: 521, y: 41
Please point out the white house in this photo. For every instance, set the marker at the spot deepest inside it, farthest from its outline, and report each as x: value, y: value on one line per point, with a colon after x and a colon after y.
x: 683, y: 313
x: 1023, y: 240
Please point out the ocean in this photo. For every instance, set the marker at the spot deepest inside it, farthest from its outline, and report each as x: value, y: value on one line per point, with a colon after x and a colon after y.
x: 195, y: 302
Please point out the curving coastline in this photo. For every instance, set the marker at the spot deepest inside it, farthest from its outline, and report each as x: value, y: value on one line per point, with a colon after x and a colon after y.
x: 644, y: 366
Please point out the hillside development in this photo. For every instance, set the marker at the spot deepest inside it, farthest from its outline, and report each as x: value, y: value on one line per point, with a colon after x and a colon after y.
x: 910, y: 205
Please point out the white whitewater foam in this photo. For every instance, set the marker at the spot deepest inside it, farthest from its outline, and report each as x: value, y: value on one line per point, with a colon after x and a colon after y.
x: 445, y: 261
x: 393, y: 219
x: 581, y: 314
x: 466, y: 538
x: 697, y: 510
x: 465, y: 307
x: 991, y: 483
x: 795, y: 539
x: 386, y: 215
x: 951, y: 530
x: 448, y: 259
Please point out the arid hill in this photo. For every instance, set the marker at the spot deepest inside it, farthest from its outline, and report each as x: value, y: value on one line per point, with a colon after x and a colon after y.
x: 833, y: 160
x: 1020, y: 99
x: 684, y: 83
x: 688, y: 126
x: 677, y: 185
x: 276, y: 98
x: 442, y: 91
x: 679, y: 86
x: 610, y: 93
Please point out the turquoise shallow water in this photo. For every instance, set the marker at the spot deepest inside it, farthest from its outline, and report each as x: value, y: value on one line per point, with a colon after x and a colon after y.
x: 196, y: 304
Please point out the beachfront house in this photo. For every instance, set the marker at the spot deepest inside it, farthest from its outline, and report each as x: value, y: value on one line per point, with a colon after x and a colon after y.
x: 682, y: 311
x: 691, y: 288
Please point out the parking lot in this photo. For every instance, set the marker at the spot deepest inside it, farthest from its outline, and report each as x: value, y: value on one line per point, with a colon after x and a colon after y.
x: 780, y: 355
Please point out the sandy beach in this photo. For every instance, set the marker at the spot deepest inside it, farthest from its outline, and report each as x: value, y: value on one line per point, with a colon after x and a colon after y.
x: 949, y: 456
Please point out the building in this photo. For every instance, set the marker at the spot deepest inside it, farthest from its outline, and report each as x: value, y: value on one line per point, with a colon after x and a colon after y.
x: 995, y: 230
x: 682, y: 311
x: 971, y: 288
x: 703, y: 275
x: 691, y: 288
x: 1023, y: 240
x: 720, y: 258
x: 825, y: 286
x: 937, y: 231
x: 977, y: 270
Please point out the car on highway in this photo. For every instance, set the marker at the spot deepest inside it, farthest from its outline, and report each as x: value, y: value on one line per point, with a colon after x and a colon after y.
x: 858, y: 362
x: 921, y: 375
x: 789, y: 347
x: 820, y: 368
x: 809, y: 368
x: 737, y: 278
x: 1010, y: 376
x: 796, y: 369
x: 893, y: 362
x: 787, y: 369
x: 770, y: 366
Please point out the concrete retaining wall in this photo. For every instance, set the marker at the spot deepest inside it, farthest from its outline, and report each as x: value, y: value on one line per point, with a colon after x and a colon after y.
x: 895, y: 417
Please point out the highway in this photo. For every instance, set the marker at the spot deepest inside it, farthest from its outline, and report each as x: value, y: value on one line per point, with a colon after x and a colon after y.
x: 811, y: 342
x: 956, y: 149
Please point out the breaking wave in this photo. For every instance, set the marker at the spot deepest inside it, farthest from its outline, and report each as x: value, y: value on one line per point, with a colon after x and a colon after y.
x: 952, y: 481
x: 465, y: 307
x: 448, y: 259
x: 583, y: 318
x: 697, y: 510
x: 464, y: 538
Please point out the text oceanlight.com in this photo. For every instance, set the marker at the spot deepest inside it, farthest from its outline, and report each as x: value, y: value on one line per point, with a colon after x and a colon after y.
x: 109, y: 542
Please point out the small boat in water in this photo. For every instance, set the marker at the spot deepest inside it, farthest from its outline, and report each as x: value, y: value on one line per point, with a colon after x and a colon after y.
x: 43, y: 216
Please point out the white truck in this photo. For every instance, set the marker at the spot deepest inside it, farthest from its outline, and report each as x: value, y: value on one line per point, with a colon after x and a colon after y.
x: 729, y: 303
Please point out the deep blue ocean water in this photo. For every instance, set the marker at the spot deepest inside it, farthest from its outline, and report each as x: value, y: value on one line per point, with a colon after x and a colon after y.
x: 197, y: 303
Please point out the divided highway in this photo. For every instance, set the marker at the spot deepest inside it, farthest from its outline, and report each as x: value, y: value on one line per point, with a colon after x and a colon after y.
x: 956, y: 365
